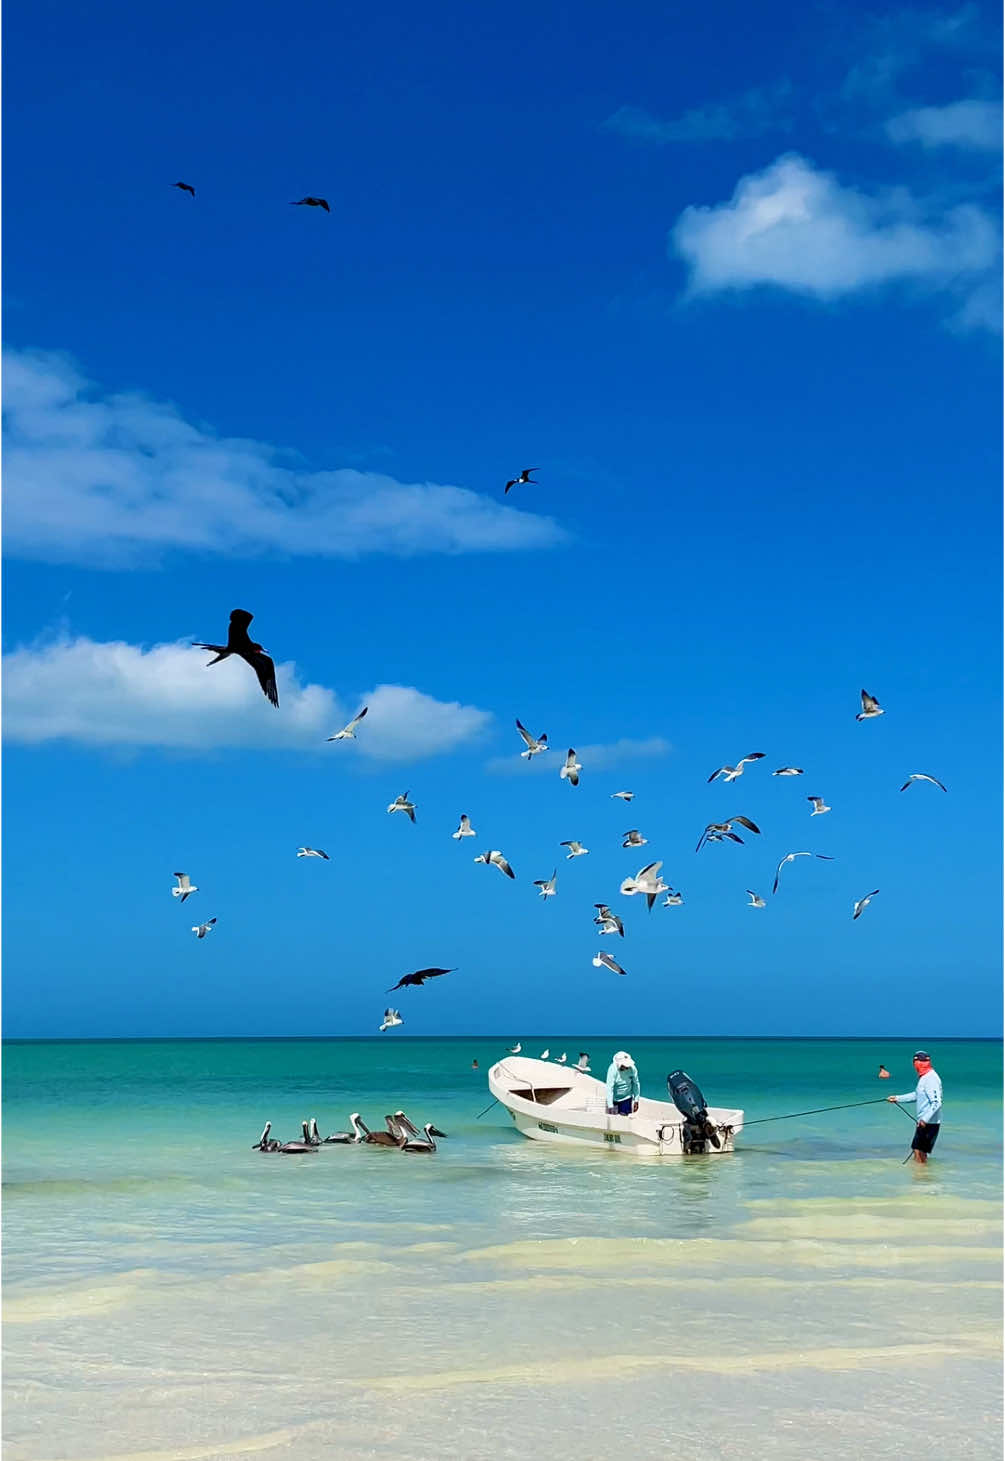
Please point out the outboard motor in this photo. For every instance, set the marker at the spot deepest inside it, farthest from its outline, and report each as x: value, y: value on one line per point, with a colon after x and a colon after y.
x: 697, y: 1130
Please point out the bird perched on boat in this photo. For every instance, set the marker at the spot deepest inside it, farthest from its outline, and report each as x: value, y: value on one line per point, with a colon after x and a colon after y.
x: 863, y: 904
x: 570, y: 771
x: 607, y: 921
x: 402, y: 804
x: 545, y: 1054
x: 465, y: 829
x: 582, y: 1064
x: 496, y: 859
x: 312, y: 852
x: 524, y: 480
x: 562, y: 1059
x: 348, y: 732
x: 547, y: 885
x: 419, y: 977
x: 391, y: 1019
x: 756, y: 901
x: 788, y: 771
x: 719, y: 831
x: 673, y: 900
x: 514, y: 1049
x: 185, y: 887
x: 622, y: 796
x: 576, y: 849
x: 535, y: 745
x: 311, y: 203
x: 607, y: 961
x: 202, y: 929
x: 240, y: 643
x: 648, y: 882
x: 870, y: 707
x: 791, y: 857
x: 819, y: 806
x: 634, y: 838
x: 185, y: 187
x: 730, y: 773
x: 922, y: 776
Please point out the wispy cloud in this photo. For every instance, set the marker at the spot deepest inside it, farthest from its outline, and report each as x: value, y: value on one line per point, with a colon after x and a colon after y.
x: 593, y: 758
x: 799, y: 229
x: 972, y: 124
x: 888, y: 43
x: 118, y: 694
x: 750, y: 114
x: 110, y: 480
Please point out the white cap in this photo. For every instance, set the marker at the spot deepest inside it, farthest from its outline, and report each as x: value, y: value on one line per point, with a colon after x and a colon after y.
x: 621, y: 1057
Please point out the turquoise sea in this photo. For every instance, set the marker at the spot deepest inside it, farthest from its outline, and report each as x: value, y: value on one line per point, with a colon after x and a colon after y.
x: 170, y: 1294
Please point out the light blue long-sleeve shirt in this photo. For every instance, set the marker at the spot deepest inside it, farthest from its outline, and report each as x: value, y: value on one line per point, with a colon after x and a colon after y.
x: 622, y: 1084
x: 928, y: 1096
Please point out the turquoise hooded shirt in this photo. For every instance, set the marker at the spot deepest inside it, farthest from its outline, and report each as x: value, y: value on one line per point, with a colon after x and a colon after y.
x: 622, y: 1083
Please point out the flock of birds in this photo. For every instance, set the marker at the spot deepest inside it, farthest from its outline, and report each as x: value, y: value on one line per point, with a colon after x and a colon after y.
x: 648, y: 882
x: 399, y: 1133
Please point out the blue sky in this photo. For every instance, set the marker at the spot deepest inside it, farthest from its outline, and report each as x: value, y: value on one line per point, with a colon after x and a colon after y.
x: 730, y: 282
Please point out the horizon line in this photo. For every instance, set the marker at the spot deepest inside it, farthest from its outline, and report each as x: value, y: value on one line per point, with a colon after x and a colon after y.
x: 546, y: 1034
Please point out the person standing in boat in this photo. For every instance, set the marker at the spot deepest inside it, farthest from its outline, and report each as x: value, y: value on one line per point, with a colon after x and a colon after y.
x: 623, y: 1088
x: 928, y: 1096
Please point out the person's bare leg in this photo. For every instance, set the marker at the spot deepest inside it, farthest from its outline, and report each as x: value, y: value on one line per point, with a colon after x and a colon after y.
x: 921, y: 1157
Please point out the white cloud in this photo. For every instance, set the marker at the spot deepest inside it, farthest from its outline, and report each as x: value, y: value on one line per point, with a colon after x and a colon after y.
x: 592, y: 758
x: 797, y: 228
x: 112, y: 479
x: 117, y: 694
x: 974, y: 124
x: 761, y: 109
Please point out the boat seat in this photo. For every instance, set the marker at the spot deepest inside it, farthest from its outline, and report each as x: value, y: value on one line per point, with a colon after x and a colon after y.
x: 543, y: 1095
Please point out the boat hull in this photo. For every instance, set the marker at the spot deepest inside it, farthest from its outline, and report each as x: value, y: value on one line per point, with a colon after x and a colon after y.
x: 553, y: 1103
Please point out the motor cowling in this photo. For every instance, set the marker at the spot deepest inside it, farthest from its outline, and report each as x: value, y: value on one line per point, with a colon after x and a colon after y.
x: 697, y: 1129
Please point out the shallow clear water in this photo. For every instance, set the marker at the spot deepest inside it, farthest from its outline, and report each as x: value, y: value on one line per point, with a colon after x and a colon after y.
x: 171, y: 1293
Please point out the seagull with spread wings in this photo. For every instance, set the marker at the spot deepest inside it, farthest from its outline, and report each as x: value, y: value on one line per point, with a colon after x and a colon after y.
x: 788, y: 771
x: 465, y: 829
x: 791, y: 857
x: 576, y: 849
x: 311, y: 203
x: 819, y: 806
x: 535, y: 744
x: 185, y: 887
x: 524, y: 480
x: 608, y: 961
x: 730, y: 773
x: 647, y: 881
x: 756, y: 901
x: 870, y: 707
x: 312, y: 852
x: 721, y: 831
x: 548, y: 886
x: 402, y: 804
x: 634, y: 838
x: 348, y: 732
x: 570, y: 771
x: 496, y: 859
x: 607, y: 921
x: 240, y: 643
x: 391, y: 1019
x: 673, y: 900
x: 622, y: 796
x: 202, y: 929
x: 863, y: 904
x: 923, y: 776
x: 419, y: 977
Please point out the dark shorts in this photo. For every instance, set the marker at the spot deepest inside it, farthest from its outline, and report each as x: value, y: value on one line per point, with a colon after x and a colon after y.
x: 925, y: 1138
x: 624, y: 1108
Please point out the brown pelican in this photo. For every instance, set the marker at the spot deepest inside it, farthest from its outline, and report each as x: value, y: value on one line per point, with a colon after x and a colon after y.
x: 390, y: 1137
x: 414, y: 1142
x: 304, y: 1145
x: 264, y: 1142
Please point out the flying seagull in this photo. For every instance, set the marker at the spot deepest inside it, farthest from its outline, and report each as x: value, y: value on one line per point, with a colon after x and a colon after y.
x: 922, y: 776
x: 239, y: 643
x: 673, y: 900
x: 185, y: 187
x: 311, y: 203
x: 756, y: 901
x: 348, y: 732
x: 863, y: 903
x: 623, y: 796
x: 522, y: 481
x: 719, y: 831
x: 496, y: 859
x: 534, y: 746
x: 607, y: 961
x: 465, y: 829
x: 570, y: 771
x: 634, y: 838
x: 819, y: 806
x: 419, y: 977
x: 576, y: 849
x: 870, y: 707
x: 648, y: 881
x: 607, y: 921
x: 202, y: 929
x: 312, y: 852
x: 788, y: 771
x: 391, y: 1018
x: 402, y: 804
x: 185, y: 887
x: 547, y: 885
x: 791, y: 857
x: 730, y: 773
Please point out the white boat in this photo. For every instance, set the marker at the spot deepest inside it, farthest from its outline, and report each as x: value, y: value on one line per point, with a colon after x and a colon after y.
x: 559, y: 1103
